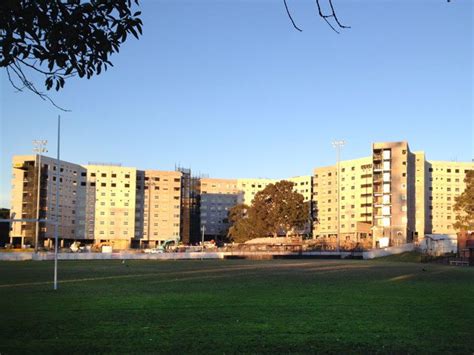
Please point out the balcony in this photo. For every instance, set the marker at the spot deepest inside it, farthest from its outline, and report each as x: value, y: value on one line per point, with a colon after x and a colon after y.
x: 377, y: 157
x: 378, y: 168
x: 378, y: 180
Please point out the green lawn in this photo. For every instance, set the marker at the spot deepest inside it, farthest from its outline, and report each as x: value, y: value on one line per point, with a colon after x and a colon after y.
x: 235, y: 306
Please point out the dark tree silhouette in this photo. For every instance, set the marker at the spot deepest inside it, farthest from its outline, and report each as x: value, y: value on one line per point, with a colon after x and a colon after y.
x: 62, y: 38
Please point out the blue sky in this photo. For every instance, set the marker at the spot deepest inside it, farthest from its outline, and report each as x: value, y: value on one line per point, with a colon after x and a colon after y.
x: 230, y: 89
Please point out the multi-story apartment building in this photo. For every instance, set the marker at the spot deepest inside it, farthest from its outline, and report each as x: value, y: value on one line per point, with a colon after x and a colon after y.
x: 355, y: 196
x: 158, y: 206
x: 250, y: 187
x: 303, y: 185
x: 445, y: 183
x: 218, y: 196
x: 393, y: 195
x: 30, y: 202
x: 422, y: 203
x: 394, y: 192
x: 110, y: 205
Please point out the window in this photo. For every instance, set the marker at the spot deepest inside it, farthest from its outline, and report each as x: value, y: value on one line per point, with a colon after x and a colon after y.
x: 127, y: 185
x: 103, y: 184
x: 114, y: 175
x: 127, y: 176
x: 103, y: 175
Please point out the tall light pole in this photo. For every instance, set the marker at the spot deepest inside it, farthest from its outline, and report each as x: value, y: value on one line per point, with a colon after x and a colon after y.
x: 338, y: 144
x: 39, y: 146
x: 56, y: 225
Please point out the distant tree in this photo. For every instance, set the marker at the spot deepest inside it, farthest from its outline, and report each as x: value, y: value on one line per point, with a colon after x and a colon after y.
x: 276, y: 209
x: 464, y: 206
x: 243, y: 224
x: 62, y: 38
x: 280, y: 208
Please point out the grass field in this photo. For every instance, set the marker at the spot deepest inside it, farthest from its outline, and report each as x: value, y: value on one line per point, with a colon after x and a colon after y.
x: 235, y: 306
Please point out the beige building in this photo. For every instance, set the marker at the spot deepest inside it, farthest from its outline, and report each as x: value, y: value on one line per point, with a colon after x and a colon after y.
x: 445, y: 183
x: 157, y: 213
x: 394, y: 195
x: 303, y: 185
x: 249, y: 187
x: 422, y: 177
x: 218, y: 196
x: 355, y: 200
x: 110, y: 204
x: 394, y: 192
x: 25, y: 203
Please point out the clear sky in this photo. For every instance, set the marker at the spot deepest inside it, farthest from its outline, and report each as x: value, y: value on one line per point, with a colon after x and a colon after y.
x: 230, y: 89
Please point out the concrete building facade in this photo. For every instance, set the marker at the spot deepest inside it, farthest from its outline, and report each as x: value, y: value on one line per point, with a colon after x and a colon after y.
x: 34, y: 195
x: 393, y: 196
x: 218, y: 196
x: 110, y: 204
x: 356, y: 200
x: 445, y: 182
x: 157, y: 207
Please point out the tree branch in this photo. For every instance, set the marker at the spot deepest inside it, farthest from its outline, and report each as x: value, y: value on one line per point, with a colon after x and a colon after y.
x: 332, y: 15
x: 291, y: 18
x: 30, y: 86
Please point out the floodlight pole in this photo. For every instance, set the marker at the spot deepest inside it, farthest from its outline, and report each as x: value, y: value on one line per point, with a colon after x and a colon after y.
x: 56, y: 225
x: 39, y: 147
x: 338, y: 145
